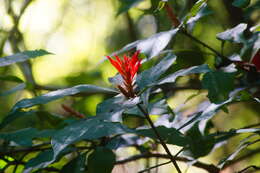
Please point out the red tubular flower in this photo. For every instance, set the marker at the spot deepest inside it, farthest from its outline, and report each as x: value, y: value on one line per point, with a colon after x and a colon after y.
x: 127, y: 67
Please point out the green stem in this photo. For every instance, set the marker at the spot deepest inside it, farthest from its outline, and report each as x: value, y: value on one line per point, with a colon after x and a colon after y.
x: 159, y: 137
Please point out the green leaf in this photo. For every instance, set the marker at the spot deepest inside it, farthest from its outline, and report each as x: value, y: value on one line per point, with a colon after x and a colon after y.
x: 37, y: 119
x: 192, y: 70
x: 14, y: 89
x: 219, y: 85
x: 112, y: 109
x: 90, y: 129
x: 199, y: 145
x: 160, y: 6
x: 21, y: 57
x: 125, y: 5
x: 241, y: 3
x: 255, y: 28
x: 11, y: 79
x: 151, y: 75
x: 234, y: 34
x: 11, y: 117
x: 54, y: 95
x: 76, y: 165
x: 40, y: 161
x: 198, y: 5
x: 21, y: 137
x: 195, y: 9
x: 151, y: 46
x: 199, y: 10
x: 101, y: 160
x: 169, y: 135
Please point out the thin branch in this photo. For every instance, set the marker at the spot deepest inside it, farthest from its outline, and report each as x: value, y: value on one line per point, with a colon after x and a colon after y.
x: 252, y: 125
x: 131, y: 28
x: 21, y: 150
x: 171, y: 15
x: 183, y: 31
x: 72, y: 112
x: 36, y: 148
x: 252, y: 166
x: 252, y: 153
x: 176, y: 23
x: 159, y: 137
x: 208, y: 167
x: 15, y: 37
x: 156, y: 166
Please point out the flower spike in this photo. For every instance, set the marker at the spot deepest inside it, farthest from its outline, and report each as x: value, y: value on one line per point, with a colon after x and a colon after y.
x: 127, y: 68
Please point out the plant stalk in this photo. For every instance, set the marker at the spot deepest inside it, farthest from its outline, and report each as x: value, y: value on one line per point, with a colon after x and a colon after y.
x: 176, y: 23
x: 159, y: 137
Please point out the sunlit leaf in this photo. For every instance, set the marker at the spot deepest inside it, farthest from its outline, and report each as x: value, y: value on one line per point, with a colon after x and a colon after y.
x: 234, y: 34
x: 199, y: 10
x: 151, y: 46
x: 195, y: 10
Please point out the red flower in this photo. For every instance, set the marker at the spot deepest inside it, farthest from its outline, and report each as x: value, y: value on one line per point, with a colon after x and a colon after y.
x: 127, y: 67
x: 256, y: 60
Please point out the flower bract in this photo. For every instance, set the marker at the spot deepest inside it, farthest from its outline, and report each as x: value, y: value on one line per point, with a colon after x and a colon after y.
x: 127, y: 68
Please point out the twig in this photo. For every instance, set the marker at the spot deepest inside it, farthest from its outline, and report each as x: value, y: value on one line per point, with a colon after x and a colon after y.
x: 208, y: 167
x: 72, y: 112
x: 254, y: 152
x: 171, y: 15
x: 156, y: 166
x: 251, y: 166
x: 176, y: 23
x: 20, y: 160
x: 21, y: 150
x: 252, y: 125
x: 131, y: 28
x: 183, y: 31
x: 15, y: 37
x: 159, y: 137
x: 35, y: 148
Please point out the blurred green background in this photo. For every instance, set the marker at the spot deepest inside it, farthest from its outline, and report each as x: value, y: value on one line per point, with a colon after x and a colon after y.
x: 80, y: 33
